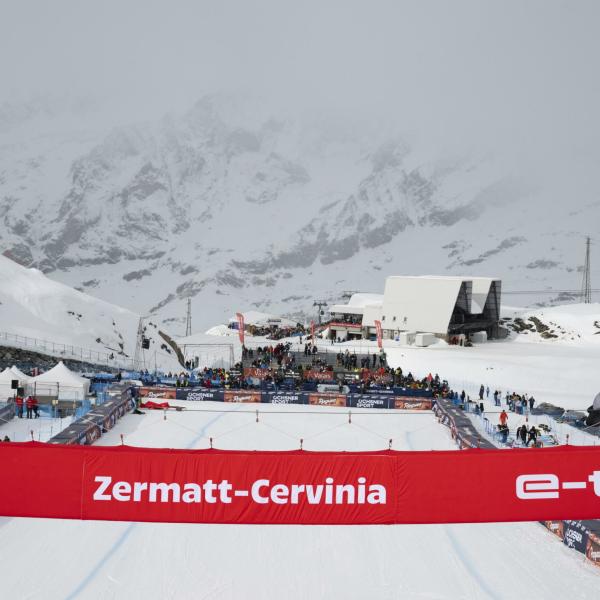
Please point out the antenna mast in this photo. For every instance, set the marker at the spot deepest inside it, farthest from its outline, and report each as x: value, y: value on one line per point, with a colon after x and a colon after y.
x: 586, y: 283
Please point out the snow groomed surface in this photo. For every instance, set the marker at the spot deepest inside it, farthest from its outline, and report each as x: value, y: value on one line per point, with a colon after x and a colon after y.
x: 72, y: 559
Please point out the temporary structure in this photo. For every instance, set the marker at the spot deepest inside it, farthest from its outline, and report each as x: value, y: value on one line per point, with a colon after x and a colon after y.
x: 6, y: 378
x: 60, y: 381
x: 20, y: 375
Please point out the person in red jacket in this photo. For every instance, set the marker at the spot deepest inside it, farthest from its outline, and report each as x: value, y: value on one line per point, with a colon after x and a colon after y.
x: 19, y: 405
x: 29, y: 406
x: 35, y: 407
x: 503, y: 417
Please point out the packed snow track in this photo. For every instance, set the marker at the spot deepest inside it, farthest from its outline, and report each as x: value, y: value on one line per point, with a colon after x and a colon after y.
x: 51, y: 559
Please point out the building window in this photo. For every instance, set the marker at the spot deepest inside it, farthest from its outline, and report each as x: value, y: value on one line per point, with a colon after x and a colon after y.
x: 383, y: 318
x: 393, y: 318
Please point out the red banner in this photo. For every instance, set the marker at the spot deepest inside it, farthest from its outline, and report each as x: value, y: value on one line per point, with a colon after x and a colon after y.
x: 379, y: 333
x: 242, y: 396
x: 123, y: 483
x: 327, y: 399
x: 241, y: 326
x: 256, y: 373
x: 412, y: 403
x: 319, y: 375
x: 155, y: 392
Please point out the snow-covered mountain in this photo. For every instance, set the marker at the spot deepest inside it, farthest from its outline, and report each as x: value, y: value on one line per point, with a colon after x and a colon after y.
x: 255, y: 212
x: 49, y: 317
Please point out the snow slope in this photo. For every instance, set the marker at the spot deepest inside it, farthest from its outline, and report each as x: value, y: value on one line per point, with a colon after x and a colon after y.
x: 121, y: 560
x: 34, y: 306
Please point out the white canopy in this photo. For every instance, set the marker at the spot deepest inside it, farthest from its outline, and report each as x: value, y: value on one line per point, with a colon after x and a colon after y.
x: 6, y: 378
x: 20, y: 375
x: 61, y: 381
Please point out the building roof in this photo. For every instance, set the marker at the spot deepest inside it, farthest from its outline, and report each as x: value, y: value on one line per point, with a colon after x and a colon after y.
x: 357, y: 303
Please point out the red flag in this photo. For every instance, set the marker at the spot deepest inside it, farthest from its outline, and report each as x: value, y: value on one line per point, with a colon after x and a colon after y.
x: 379, y: 334
x: 312, y: 331
x: 241, y: 326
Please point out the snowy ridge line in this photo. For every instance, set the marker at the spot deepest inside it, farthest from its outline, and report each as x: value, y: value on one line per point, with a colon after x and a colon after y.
x: 67, y: 351
x: 87, y: 429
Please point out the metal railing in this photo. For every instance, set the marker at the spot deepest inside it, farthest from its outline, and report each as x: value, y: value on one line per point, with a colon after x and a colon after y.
x: 66, y: 351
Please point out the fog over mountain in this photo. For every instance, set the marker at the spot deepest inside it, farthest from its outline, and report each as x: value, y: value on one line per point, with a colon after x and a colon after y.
x: 266, y: 154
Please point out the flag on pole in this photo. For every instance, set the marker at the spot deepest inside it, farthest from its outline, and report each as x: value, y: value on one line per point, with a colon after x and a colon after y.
x: 240, y: 320
x: 312, y: 331
x: 379, y: 334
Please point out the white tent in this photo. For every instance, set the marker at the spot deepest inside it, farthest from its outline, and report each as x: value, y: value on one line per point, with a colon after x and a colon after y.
x: 23, y: 379
x: 62, y: 382
x: 6, y: 378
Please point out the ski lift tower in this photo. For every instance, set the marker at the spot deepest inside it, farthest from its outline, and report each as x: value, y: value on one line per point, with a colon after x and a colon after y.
x: 320, y: 304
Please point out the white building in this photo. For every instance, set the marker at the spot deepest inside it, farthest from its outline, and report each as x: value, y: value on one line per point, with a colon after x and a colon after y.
x: 347, y: 320
x: 444, y: 306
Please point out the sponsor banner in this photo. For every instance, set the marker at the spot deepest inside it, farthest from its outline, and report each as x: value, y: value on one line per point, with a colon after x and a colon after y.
x: 256, y: 373
x: 123, y: 483
x: 241, y: 396
x: 555, y: 527
x: 575, y: 535
x: 339, y: 325
x: 379, y: 331
x: 327, y: 399
x: 368, y: 401
x: 200, y: 394
x: 592, y: 550
x: 320, y: 375
x: 284, y: 398
x: 241, y: 326
x: 156, y: 392
x: 411, y: 403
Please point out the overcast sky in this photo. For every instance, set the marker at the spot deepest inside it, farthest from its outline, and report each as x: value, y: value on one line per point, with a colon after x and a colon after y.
x: 517, y: 69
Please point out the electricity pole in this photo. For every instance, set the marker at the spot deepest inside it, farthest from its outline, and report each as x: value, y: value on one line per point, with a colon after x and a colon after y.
x: 188, y: 322
x: 586, y: 283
